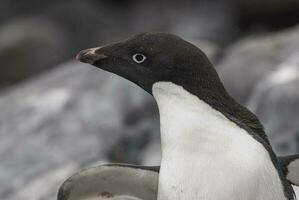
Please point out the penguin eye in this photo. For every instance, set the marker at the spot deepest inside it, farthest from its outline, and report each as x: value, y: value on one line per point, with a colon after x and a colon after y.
x: 139, y: 58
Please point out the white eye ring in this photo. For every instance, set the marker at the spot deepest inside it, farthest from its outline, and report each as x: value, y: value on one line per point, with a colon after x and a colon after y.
x: 139, y: 58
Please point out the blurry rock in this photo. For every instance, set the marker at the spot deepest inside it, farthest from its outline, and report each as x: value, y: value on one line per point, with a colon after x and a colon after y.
x: 267, y: 14
x: 276, y: 101
x: 90, y: 23
x: 211, y: 49
x: 250, y: 60
x: 68, y: 118
x: 195, y: 20
x: 263, y: 72
x: 28, y: 46
x: 152, y: 153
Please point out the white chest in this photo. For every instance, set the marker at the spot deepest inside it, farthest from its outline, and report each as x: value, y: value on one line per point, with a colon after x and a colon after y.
x: 205, y: 156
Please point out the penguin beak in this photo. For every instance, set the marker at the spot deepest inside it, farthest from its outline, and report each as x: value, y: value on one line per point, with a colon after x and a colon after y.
x: 90, y: 55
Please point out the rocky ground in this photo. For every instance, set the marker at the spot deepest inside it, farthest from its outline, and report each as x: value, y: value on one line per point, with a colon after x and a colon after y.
x: 73, y: 116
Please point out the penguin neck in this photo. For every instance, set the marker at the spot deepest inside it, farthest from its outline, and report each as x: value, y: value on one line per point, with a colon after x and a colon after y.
x: 174, y: 101
x: 214, y: 94
x: 178, y: 109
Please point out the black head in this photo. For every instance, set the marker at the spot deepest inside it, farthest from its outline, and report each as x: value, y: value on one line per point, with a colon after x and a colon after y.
x: 151, y: 57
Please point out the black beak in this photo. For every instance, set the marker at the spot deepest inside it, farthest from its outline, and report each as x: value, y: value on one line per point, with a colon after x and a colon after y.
x: 90, y: 55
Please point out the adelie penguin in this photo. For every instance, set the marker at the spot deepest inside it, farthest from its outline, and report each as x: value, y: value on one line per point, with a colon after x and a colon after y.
x: 212, y: 147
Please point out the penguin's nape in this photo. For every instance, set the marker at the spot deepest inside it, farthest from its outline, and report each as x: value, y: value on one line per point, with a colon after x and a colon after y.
x: 112, y: 181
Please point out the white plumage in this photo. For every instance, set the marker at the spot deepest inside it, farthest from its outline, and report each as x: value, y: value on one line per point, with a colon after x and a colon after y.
x: 205, y: 156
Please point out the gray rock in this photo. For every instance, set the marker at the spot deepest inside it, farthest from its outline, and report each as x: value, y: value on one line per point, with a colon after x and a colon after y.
x: 65, y: 120
x: 251, y: 59
x: 151, y: 155
x: 267, y: 14
x: 189, y: 19
x: 275, y: 100
x: 28, y: 46
x: 262, y: 72
x: 89, y: 23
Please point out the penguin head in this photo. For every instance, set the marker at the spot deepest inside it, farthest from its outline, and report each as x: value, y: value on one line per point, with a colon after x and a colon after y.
x: 148, y: 58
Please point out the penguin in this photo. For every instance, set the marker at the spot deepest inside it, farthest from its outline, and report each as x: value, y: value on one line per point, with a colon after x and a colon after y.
x: 212, y: 147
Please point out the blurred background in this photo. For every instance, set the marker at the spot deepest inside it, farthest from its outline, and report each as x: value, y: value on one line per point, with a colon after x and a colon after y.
x: 58, y: 116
